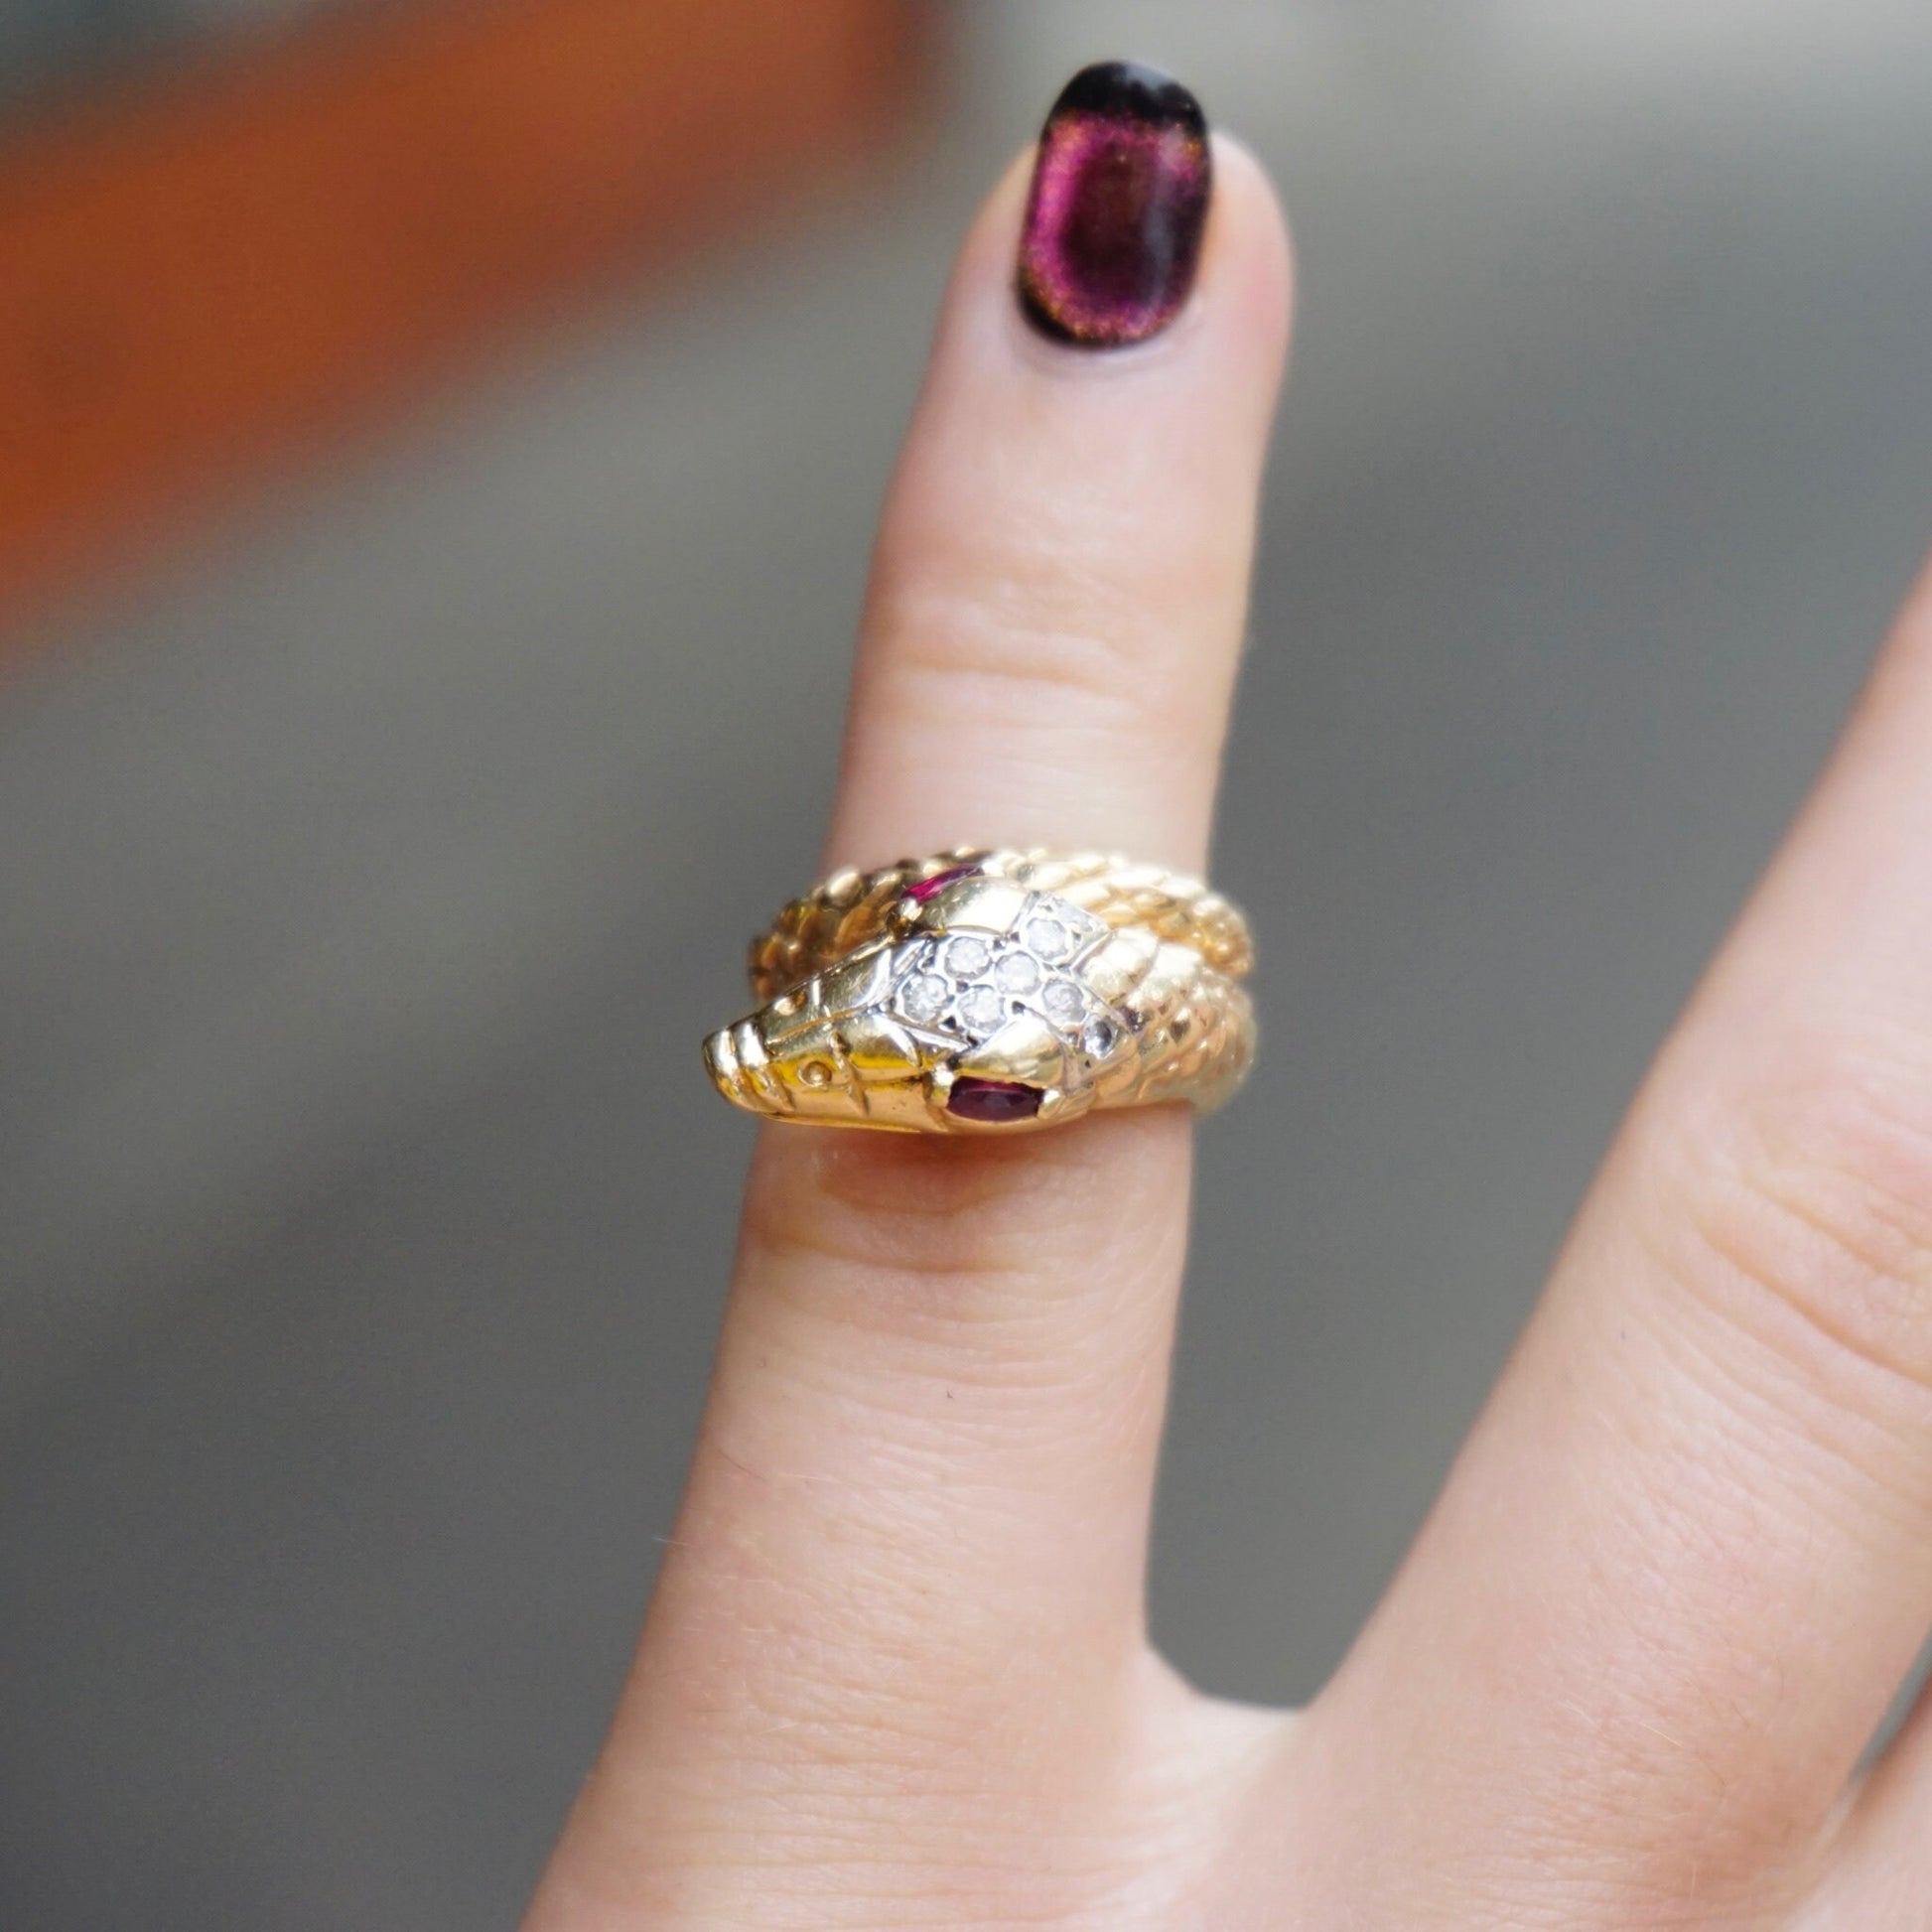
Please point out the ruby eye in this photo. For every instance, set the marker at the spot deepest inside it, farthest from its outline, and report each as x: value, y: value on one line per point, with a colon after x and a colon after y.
x: 993, y: 1102
x: 932, y: 888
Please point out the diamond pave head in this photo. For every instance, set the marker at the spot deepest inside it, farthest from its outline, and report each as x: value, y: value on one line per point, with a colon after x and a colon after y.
x: 974, y: 1007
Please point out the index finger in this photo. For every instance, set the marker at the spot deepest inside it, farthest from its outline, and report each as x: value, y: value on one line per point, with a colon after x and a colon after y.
x: 914, y: 1540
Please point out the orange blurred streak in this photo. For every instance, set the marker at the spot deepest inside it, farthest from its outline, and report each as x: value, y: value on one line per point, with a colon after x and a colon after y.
x: 192, y: 279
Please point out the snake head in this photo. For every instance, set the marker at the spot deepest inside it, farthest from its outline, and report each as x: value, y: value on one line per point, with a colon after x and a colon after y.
x: 984, y: 1007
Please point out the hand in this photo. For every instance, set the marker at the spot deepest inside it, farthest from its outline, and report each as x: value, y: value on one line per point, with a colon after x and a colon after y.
x: 896, y: 1674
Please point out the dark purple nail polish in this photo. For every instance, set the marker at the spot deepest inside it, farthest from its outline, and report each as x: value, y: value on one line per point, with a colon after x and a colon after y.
x: 1119, y: 200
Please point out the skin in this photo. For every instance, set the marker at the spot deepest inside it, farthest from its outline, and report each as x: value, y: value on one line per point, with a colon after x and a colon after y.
x: 896, y: 1672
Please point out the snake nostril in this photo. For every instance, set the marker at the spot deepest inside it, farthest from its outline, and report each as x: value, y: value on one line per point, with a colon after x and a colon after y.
x: 816, y: 1073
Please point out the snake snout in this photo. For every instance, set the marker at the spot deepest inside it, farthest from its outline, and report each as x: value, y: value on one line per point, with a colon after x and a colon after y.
x: 735, y: 1058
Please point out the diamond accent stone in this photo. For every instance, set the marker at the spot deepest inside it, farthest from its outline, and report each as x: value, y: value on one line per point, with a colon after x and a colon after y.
x: 923, y: 998
x: 965, y: 958
x: 1047, y: 937
x: 1018, y: 972
x: 980, y: 1010
x: 1063, y: 1001
x: 1099, y: 1037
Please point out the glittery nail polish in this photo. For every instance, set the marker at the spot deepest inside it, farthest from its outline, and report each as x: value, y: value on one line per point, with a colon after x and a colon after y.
x: 1119, y: 199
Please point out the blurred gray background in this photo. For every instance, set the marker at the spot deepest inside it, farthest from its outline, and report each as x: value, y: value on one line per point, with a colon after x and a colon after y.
x: 363, y: 1214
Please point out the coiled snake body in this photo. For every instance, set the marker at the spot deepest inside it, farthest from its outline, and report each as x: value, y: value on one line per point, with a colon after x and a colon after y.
x: 992, y: 991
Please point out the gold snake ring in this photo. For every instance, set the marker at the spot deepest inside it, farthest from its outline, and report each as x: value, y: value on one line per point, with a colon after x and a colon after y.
x: 992, y: 992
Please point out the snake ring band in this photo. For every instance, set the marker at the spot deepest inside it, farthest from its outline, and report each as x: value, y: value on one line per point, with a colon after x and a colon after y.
x: 992, y: 992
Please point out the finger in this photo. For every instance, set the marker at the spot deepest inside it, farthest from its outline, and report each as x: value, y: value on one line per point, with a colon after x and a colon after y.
x: 1878, y: 1877
x: 1686, y: 1559
x: 915, y: 1531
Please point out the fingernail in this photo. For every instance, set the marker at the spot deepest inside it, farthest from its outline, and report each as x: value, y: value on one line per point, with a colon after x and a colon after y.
x: 1119, y: 199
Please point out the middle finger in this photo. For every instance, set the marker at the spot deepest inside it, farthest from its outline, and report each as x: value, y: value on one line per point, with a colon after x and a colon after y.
x: 1686, y: 1559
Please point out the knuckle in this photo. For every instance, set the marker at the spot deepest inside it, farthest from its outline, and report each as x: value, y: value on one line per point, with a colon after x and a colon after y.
x: 1806, y: 1214
x: 1015, y: 647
